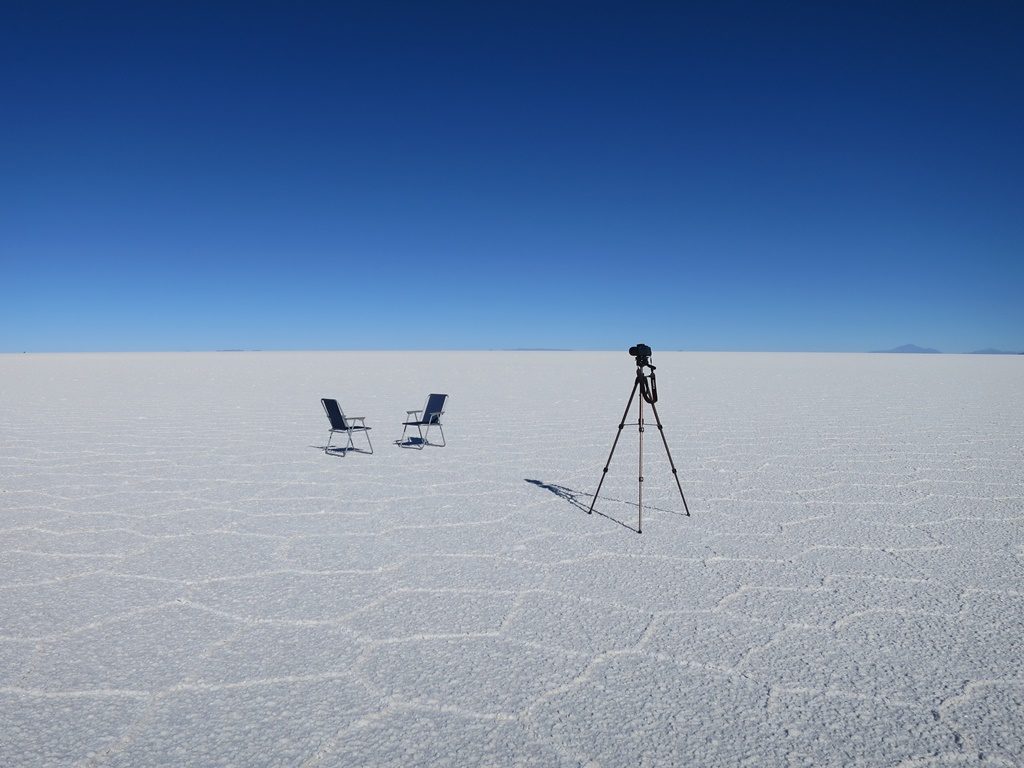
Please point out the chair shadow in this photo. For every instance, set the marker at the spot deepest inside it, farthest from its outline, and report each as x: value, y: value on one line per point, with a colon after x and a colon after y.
x: 335, y: 451
x: 412, y: 442
x: 573, y: 497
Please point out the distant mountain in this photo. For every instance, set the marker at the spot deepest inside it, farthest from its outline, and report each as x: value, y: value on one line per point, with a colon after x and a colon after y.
x: 910, y: 349
x: 991, y: 351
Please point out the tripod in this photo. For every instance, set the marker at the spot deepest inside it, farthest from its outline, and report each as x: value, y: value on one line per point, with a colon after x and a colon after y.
x: 648, y: 394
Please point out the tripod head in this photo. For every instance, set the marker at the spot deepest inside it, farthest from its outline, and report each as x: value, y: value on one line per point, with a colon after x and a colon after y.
x: 649, y: 390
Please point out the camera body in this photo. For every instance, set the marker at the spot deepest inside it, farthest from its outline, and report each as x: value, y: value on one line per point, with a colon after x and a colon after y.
x: 642, y: 353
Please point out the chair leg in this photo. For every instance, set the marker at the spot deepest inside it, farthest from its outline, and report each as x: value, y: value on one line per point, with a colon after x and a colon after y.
x: 423, y: 440
x: 349, y: 445
x: 442, y: 444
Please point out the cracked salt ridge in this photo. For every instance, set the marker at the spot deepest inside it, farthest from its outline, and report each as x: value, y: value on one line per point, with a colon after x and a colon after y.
x: 204, y: 585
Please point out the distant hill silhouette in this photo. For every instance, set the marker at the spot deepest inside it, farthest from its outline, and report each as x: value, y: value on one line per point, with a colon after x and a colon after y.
x: 910, y: 349
x: 990, y: 351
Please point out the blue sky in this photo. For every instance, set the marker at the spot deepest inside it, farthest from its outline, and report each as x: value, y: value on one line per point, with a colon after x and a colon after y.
x: 829, y: 176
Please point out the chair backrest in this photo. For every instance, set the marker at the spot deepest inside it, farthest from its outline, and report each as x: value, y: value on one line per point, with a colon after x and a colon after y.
x: 334, y: 414
x: 433, y: 409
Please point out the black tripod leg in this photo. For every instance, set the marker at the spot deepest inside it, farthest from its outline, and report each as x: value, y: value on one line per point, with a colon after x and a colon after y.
x: 622, y: 423
x: 671, y: 463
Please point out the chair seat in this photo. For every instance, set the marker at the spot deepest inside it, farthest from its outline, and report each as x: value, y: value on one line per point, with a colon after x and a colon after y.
x: 352, y: 429
x: 421, y: 423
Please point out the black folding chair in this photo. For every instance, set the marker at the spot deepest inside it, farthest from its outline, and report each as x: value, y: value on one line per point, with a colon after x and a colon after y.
x: 342, y: 423
x: 429, y: 416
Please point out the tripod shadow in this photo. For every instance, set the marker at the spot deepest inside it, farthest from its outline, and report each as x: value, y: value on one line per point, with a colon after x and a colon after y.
x: 573, y: 497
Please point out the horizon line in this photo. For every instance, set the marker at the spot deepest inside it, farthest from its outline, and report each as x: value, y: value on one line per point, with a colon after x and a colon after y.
x: 493, y: 349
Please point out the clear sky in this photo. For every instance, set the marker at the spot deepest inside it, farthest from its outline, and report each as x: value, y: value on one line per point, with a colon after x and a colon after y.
x: 752, y: 176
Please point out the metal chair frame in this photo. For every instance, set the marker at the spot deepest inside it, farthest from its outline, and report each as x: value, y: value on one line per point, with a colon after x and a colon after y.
x: 348, y: 429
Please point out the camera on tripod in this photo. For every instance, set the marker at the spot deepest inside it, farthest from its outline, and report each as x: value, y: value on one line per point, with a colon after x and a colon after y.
x: 647, y: 385
x: 642, y: 353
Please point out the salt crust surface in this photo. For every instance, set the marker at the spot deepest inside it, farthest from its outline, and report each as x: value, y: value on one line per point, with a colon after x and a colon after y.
x: 186, y: 579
